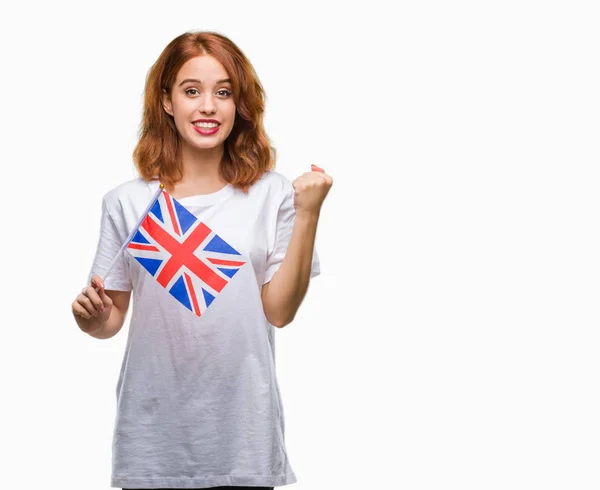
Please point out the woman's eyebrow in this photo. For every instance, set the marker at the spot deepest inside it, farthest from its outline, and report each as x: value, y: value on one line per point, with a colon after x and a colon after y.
x: 224, y: 80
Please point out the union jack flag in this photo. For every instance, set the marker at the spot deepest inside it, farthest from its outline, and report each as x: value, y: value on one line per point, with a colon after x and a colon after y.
x: 184, y: 255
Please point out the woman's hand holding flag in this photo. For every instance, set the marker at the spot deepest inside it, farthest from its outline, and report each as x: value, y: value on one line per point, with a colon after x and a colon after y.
x: 92, y: 307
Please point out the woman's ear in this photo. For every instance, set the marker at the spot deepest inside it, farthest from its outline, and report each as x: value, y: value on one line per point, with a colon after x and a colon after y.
x: 166, y: 102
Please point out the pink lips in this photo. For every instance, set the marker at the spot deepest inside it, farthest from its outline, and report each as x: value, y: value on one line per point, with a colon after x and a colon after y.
x: 206, y: 131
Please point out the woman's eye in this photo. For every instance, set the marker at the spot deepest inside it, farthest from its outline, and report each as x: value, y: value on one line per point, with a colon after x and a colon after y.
x: 227, y: 92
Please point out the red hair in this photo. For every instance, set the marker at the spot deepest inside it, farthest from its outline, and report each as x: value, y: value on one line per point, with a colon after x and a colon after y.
x: 247, y: 154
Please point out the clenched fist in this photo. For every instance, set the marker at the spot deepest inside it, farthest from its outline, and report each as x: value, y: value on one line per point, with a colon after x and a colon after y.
x: 310, y: 190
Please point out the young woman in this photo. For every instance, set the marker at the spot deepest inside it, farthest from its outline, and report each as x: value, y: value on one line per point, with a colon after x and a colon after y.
x: 223, y: 256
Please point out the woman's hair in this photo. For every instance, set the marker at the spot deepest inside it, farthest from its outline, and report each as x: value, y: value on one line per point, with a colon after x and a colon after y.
x: 247, y: 153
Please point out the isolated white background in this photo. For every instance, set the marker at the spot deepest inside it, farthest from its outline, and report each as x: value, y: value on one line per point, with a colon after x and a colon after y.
x: 451, y: 341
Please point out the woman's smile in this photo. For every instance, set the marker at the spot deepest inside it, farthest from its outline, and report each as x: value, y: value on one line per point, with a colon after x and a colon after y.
x: 205, y: 131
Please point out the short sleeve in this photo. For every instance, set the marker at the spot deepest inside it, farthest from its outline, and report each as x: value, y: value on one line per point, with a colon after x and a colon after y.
x: 109, y: 245
x: 280, y: 238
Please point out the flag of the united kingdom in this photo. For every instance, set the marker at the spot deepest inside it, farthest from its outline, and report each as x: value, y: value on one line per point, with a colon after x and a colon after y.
x: 184, y: 255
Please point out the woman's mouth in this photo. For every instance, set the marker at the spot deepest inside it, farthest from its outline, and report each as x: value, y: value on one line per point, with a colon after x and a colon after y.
x: 205, y: 129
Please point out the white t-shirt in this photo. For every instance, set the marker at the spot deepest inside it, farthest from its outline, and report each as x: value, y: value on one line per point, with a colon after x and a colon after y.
x: 198, y: 403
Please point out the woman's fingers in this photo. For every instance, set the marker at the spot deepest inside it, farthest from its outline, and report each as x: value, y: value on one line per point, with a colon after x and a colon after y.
x: 91, y: 300
x: 80, y: 310
x: 97, y: 282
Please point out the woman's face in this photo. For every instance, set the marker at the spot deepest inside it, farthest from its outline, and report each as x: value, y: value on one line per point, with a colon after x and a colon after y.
x: 200, y: 92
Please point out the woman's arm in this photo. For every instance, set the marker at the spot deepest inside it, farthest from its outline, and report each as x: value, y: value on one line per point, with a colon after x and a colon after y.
x: 282, y: 296
x: 284, y: 293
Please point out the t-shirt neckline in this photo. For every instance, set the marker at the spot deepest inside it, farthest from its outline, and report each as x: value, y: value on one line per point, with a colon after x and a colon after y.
x: 202, y: 199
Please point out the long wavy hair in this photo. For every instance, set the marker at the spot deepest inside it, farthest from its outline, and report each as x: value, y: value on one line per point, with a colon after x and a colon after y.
x: 248, y: 153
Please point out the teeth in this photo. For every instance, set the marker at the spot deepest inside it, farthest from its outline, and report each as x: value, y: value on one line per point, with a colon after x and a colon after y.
x: 205, y: 125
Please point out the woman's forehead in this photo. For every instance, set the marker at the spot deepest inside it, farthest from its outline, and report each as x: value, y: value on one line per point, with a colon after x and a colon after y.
x: 204, y: 69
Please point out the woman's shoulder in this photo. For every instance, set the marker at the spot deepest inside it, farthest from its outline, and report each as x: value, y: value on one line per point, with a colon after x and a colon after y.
x: 273, y: 183
x: 130, y: 190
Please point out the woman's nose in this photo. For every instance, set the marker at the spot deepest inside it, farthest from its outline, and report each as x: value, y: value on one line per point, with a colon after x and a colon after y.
x: 207, y: 105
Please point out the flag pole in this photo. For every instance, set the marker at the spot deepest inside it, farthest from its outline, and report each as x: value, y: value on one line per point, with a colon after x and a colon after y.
x: 135, y: 228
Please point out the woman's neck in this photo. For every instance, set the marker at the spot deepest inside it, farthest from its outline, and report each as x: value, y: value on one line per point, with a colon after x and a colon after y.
x: 200, y: 173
